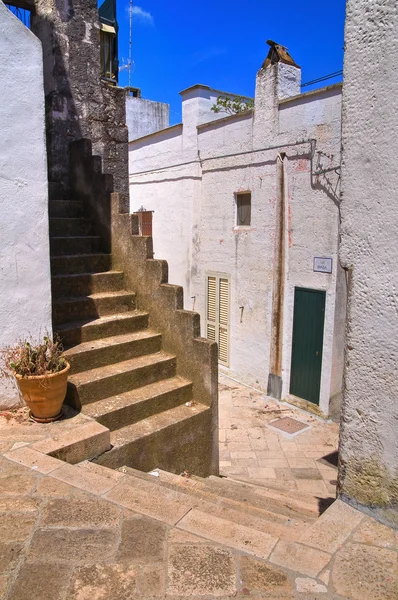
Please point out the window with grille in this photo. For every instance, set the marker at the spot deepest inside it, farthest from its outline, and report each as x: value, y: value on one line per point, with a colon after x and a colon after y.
x: 217, y: 317
x: 243, y: 209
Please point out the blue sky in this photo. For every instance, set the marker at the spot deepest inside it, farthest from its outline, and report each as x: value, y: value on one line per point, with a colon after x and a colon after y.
x: 222, y: 44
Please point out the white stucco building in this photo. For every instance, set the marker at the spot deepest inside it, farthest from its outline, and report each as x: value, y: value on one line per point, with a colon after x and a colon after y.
x: 25, y: 285
x: 246, y: 212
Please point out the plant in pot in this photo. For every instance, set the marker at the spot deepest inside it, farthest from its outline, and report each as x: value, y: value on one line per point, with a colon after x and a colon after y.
x: 41, y: 373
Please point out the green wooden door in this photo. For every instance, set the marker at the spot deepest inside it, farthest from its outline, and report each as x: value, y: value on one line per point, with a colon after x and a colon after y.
x: 308, y: 322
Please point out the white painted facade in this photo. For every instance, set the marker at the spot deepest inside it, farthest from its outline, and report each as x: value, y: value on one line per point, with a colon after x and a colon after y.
x: 189, y: 176
x: 25, y: 288
x: 369, y: 206
x: 145, y: 116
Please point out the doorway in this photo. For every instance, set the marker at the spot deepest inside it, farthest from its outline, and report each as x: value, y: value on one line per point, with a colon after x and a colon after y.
x: 307, y: 343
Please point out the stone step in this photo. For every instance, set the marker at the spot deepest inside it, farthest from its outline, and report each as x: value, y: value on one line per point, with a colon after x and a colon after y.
x: 107, y: 351
x: 80, y: 263
x: 84, y: 284
x: 77, y: 332
x: 112, y: 380
x: 56, y: 191
x: 257, y: 495
x: 141, y: 403
x: 66, y: 208
x: 66, y: 226
x: 251, y: 535
x: 275, y: 507
x: 289, y: 527
x: 95, y: 305
x: 83, y: 244
x: 169, y: 439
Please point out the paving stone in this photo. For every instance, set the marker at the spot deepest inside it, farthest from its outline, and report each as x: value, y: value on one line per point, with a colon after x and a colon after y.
x: 313, y: 488
x: 200, y: 570
x: 35, y: 460
x: 332, y: 528
x: 325, y: 576
x: 305, y: 585
x: 79, y: 511
x: 297, y: 557
x: 41, y: 581
x: 9, y: 555
x: 16, y: 528
x: 53, y: 488
x: 149, y: 499
x: 90, y: 482
x: 78, y: 546
x: 262, y: 473
x: 17, y: 484
x: 306, y: 474
x: 103, y: 582
x: 243, y: 454
x: 301, y: 463
x: 24, y: 504
x: 226, y: 532
x: 274, y: 463
x: 256, y: 576
x: 110, y: 474
x: 151, y: 581
x: 176, y: 536
x: 375, y: 534
x: 142, y: 540
x: 365, y: 573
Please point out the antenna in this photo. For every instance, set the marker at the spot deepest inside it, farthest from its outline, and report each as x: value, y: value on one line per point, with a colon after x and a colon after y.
x: 130, y: 42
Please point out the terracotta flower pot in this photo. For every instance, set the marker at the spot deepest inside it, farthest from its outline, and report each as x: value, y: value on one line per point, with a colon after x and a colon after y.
x: 44, y: 394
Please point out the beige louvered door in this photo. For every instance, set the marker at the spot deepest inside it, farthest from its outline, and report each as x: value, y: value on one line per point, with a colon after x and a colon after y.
x: 217, y: 318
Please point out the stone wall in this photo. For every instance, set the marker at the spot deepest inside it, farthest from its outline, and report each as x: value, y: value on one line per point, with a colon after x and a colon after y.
x: 25, y: 307
x: 369, y: 208
x: 78, y: 103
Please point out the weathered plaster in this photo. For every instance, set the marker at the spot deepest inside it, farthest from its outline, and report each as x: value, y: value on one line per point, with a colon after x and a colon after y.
x: 145, y: 116
x: 369, y: 208
x: 191, y: 176
x: 25, y: 308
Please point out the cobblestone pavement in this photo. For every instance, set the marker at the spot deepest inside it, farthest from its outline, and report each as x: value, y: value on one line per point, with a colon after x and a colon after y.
x: 70, y: 533
x: 252, y: 449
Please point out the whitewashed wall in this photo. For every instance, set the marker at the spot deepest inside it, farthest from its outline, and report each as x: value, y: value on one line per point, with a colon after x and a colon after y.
x: 25, y: 289
x: 200, y: 196
x: 145, y: 116
x: 369, y: 252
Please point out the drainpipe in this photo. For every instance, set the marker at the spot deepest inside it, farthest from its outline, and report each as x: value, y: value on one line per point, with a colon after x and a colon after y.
x: 275, y: 370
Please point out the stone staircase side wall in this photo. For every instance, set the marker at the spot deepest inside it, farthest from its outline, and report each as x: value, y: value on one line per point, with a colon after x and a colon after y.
x: 148, y: 278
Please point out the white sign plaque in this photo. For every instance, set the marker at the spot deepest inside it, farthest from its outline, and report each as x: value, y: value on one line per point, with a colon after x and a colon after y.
x: 322, y: 265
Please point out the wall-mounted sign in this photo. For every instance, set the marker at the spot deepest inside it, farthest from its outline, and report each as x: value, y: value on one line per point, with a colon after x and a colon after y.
x: 322, y: 265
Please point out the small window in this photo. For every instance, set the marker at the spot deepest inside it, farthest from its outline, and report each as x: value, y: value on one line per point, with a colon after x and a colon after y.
x: 243, y: 209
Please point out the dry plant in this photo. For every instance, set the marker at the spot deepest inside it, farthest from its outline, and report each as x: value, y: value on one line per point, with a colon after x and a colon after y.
x: 27, y: 359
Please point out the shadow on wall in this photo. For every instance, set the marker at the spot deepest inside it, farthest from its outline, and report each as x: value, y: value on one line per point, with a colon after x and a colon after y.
x: 78, y: 103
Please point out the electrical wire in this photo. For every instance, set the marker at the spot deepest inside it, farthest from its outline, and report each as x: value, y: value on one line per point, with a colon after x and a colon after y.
x: 324, y: 78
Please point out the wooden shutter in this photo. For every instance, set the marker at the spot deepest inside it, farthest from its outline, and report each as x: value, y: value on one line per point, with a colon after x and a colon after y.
x: 217, y: 317
x: 223, y: 344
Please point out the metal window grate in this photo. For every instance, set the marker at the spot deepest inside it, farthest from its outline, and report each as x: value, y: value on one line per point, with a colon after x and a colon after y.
x: 23, y: 14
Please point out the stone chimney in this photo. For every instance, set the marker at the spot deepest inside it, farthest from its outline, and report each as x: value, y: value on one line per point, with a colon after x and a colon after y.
x: 278, y: 78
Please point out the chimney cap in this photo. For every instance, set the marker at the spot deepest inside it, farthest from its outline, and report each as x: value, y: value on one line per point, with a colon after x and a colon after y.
x: 278, y: 53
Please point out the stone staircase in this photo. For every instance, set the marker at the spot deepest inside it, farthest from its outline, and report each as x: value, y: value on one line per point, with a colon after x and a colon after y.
x: 245, y: 516
x: 119, y: 375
